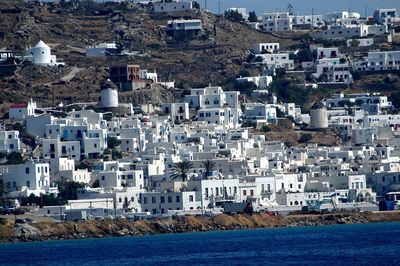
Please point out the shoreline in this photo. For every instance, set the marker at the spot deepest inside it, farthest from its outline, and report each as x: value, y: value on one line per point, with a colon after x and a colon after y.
x: 44, y: 231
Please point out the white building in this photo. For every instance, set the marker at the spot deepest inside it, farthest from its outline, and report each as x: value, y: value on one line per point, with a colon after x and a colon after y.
x: 330, y: 52
x: 388, y: 60
x: 361, y: 42
x: 338, y: 16
x: 277, y: 60
x: 9, y: 141
x: 100, y: 50
x: 385, y: 16
x: 172, y: 6
x: 276, y: 21
x: 316, y: 21
x: 262, y: 82
x: 212, y: 97
x: 177, y: 111
x: 28, y: 178
x: 40, y: 55
x: 260, y: 48
x: 162, y: 202
x: 22, y: 111
x: 259, y: 113
x: 349, y: 31
x: 118, y: 178
x: 184, y: 27
x: 227, y: 117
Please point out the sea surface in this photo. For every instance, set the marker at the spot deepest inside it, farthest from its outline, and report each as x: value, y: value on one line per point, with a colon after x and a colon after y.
x: 366, y: 244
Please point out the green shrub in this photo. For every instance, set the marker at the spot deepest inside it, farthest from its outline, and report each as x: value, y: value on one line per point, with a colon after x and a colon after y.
x: 305, y: 138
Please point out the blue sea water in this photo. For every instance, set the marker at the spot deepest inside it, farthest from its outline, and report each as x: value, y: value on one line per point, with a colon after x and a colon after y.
x: 366, y: 244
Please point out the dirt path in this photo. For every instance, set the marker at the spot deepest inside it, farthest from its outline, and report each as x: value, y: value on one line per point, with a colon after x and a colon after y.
x: 75, y: 70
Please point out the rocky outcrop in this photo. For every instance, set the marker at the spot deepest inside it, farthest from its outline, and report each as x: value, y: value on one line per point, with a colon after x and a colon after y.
x: 122, y: 227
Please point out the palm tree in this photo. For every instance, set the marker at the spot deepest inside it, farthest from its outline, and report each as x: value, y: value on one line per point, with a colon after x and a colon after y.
x: 3, y: 191
x: 181, y: 170
x: 209, y: 166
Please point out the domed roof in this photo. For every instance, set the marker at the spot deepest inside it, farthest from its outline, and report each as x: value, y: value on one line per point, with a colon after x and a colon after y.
x: 41, y: 44
x: 108, y: 84
x: 318, y: 105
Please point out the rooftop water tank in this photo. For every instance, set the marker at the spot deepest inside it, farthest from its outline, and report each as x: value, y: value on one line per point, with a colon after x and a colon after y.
x: 109, y: 95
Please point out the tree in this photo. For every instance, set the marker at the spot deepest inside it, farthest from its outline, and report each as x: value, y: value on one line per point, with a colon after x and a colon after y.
x: 245, y: 87
x: 181, y: 170
x: 395, y: 99
x: 244, y: 73
x: 354, y: 43
x: 196, y: 5
x: 43, y: 200
x: 233, y: 15
x: 253, y: 17
x: 112, y: 142
x: 15, y: 158
x: 303, y: 55
x: 3, y: 191
x: 209, y: 165
x: 305, y: 138
x: 68, y: 190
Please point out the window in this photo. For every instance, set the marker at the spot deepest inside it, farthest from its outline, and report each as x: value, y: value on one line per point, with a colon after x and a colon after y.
x: 153, y: 200
x: 178, y: 199
x: 27, y: 170
x: 145, y: 200
x: 169, y: 199
x: 162, y: 199
x: 191, y: 198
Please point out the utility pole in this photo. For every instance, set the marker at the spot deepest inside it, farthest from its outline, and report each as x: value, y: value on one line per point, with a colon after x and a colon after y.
x: 205, y: 4
x: 312, y: 19
x: 219, y: 7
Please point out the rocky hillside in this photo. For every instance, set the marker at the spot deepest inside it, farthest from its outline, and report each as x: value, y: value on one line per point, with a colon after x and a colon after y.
x: 216, y: 57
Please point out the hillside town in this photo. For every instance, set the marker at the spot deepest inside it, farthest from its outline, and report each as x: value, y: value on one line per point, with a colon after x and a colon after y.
x: 291, y: 133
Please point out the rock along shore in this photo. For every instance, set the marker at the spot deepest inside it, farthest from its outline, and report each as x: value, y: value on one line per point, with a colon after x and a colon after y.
x: 41, y: 231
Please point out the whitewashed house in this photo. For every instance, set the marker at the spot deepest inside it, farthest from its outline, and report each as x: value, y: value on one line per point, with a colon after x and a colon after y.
x: 276, y: 21
x: 259, y: 113
x: 9, y: 141
x: 162, y: 202
x: 259, y: 48
x: 172, y: 6
x: 29, y: 178
x: 388, y: 60
x: 177, y: 111
x: 277, y: 60
x: 100, y: 50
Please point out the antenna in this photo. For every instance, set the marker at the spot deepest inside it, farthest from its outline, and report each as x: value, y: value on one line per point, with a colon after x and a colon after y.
x: 290, y: 9
x: 312, y: 19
